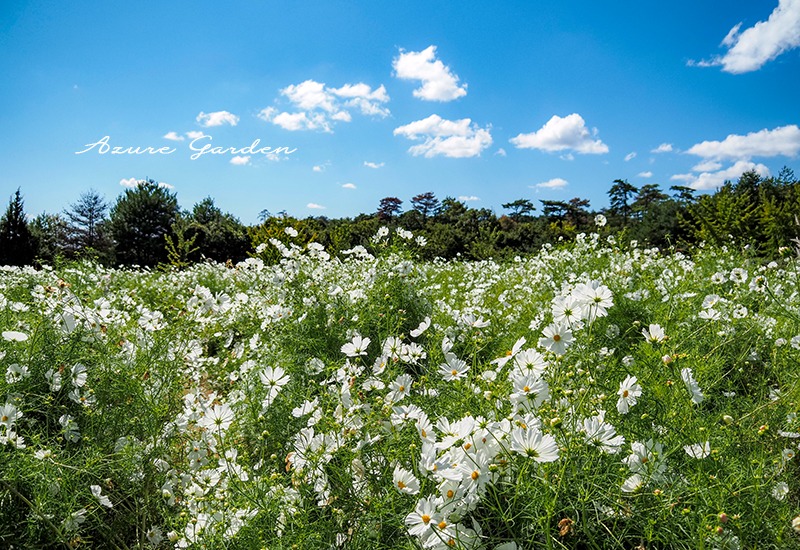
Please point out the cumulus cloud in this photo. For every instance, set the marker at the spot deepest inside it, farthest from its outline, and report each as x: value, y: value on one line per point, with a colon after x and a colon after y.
x: 468, y: 198
x: 240, y: 160
x: 555, y: 183
x: 194, y: 134
x: 559, y: 134
x: 438, y: 81
x: 318, y: 168
x: 707, y: 166
x: 750, y: 49
x: 449, y: 138
x: 764, y: 143
x: 714, y: 179
x: 315, y: 206
x: 501, y: 152
x: 630, y: 156
x: 217, y: 118
x: 663, y: 148
x: 173, y: 136
x: 374, y: 165
x: 318, y: 107
x: 296, y: 121
x: 647, y: 174
x: 349, y: 186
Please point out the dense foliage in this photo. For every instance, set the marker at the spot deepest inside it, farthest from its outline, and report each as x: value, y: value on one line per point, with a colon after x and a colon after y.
x: 589, y: 395
x: 146, y: 227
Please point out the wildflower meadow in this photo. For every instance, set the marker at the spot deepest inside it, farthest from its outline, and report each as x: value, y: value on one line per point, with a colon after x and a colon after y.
x: 591, y: 395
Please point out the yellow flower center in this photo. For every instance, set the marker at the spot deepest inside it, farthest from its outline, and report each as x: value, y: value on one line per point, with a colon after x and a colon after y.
x: 401, y: 388
x: 450, y: 493
x: 454, y: 372
x: 426, y: 519
x: 401, y: 485
x: 526, y: 389
x: 442, y: 524
x: 625, y: 393
x: 475, y: 475
x: 556, y: 338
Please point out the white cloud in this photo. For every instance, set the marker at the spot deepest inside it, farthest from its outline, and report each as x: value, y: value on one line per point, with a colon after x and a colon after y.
x: 217, y: 118
x: 663, y: 148
x: 501, y: 152
x: 751, y: 49
x: 555, y: 183
x: 449, y: 138
x: 647, y: 174
x: 194, y: 134
x: 295, y: 121
x: 715, y: 179
x: 318, y: 106
x: 468, y: 198
x: 349, y: 186
x: 438, y: 81
x: 318, y: 168
x: 764, y: 143
x: 240, y: 160
x: 707, y: 166
x: 374, y: 165
x: 310, y: 95
x: 315, y: 206
x: 630, y: 156
x: 363, y: 98
x: 559, y: 134
x: 173, y: 136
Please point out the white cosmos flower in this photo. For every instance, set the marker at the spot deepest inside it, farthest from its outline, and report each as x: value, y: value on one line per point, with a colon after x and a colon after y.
x: 698, y: 450
x: 423, y: 326
x: 556, y: 338
x: 534, y: 444
x: 629, y: 391
x: 14, y: 336
x: 104, y: 501
x: 654, y: 334
x: 356, y: 347
x: 602, y: 434
x: 454, y: 368
x: 692, y: 385
x: 421, y: 521
x: 405, y: 481
x: 632, y: 484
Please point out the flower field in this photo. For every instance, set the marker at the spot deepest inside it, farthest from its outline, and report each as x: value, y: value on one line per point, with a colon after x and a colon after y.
x: 589, y: 396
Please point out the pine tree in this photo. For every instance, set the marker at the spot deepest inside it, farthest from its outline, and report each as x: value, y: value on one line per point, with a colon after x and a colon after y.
x: 88, y: 227
x: 17, y: 245
x: 140, y: 220
x: 426, y: 204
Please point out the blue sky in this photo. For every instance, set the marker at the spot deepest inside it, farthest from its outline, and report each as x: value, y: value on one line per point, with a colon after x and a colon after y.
x: 488, y: 102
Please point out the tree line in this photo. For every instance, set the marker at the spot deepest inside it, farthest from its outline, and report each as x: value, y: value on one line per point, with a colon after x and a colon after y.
x: 146, y: 227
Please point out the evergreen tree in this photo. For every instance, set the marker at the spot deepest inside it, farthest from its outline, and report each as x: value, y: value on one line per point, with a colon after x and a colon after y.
x: 389, y: 208
x: 51, y: 234
x: 426, y: 204
x: 17, y: 245
x: 88, y: 227
x: 620, y: 200
x: 520, y: 209
x: 140, y: 220
x: 218, y: 236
